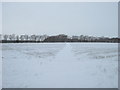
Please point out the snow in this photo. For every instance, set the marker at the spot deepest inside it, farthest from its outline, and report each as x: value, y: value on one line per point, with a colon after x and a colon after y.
x: 0, y: 66
x: 60, y: 65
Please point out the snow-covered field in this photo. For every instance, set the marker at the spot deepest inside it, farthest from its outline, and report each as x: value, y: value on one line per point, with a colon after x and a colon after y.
x: 0, y: 66
x: 60, y: 65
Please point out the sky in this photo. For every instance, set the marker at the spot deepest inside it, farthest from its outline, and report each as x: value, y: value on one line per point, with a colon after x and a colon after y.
x: 0, y: 17
x: 71, y: 18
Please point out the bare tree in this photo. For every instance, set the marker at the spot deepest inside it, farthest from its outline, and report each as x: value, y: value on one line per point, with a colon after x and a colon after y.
x: 5, y: 37
x: 12, y: 37
x: 33, y: 37
x: 0, y: 36
x: 17, y: 38
x: 37, y: 37
x: 26, y: 37
x: 22, y: 37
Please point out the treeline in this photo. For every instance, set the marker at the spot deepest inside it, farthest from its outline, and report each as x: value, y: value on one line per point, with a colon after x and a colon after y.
x: 58, y: 38
x: 22, y: 38
x: 81, y: 38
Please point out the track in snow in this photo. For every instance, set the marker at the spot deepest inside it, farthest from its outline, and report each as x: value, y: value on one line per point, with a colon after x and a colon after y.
x: 23, y: 69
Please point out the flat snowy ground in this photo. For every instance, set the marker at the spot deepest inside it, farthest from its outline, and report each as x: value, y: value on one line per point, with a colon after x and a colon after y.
x: 60, y: 65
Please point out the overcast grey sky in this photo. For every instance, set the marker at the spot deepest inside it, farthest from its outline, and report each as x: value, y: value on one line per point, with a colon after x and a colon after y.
x: 87, y: 18
x: 0, y: 17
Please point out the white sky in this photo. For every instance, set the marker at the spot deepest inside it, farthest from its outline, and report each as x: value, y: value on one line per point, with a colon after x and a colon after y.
x: 98, y: 19
x: 60, y: 0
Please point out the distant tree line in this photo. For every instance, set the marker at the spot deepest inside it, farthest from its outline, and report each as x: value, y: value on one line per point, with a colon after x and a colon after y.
x: 22, y: 38
x: 58, y: 38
